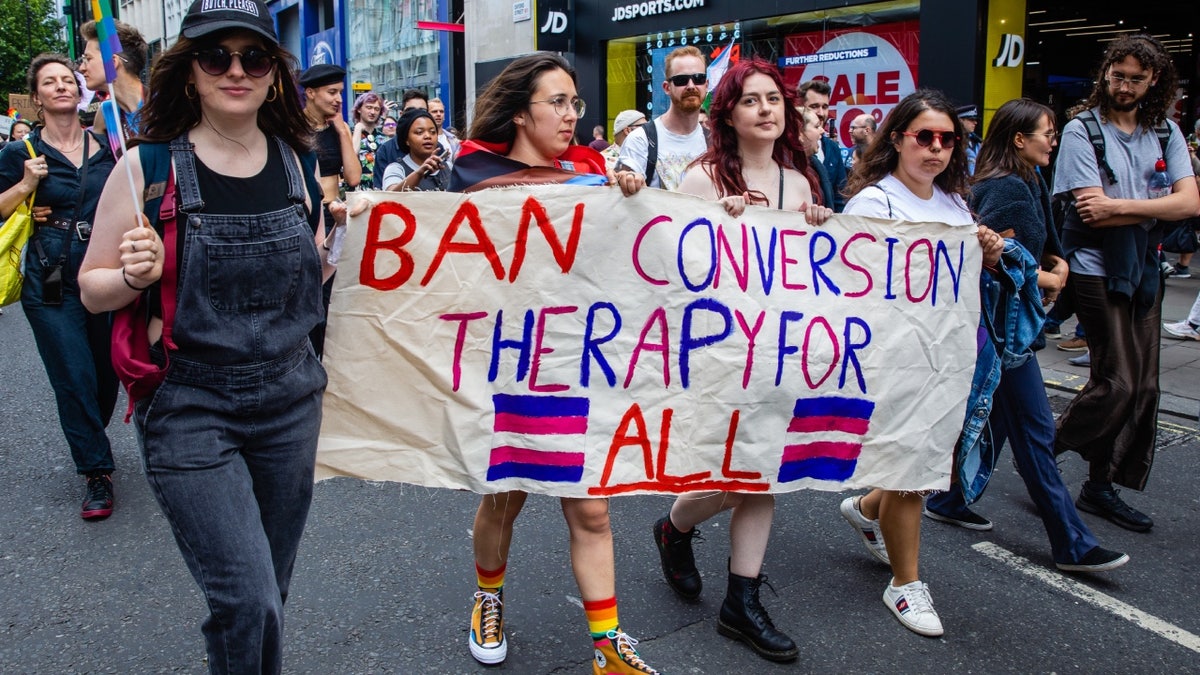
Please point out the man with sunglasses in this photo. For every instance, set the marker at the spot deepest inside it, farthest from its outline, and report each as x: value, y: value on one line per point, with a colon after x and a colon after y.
x: 127, y: 91
x: 1110, y: 235
x: 814, y: 95
x: 662, y: 155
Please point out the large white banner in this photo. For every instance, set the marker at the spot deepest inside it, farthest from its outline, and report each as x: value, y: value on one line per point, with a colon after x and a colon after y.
x: 571, y: 341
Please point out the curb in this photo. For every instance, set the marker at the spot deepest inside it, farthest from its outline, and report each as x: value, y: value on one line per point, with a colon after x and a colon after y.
x: 1169, y: 404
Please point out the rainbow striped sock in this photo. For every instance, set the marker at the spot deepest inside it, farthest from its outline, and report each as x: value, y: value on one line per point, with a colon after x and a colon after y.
x: 489, y: 580
x: 601, y: 616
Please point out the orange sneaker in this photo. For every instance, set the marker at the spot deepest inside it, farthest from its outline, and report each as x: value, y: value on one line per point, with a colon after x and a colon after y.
x: 616, y: 655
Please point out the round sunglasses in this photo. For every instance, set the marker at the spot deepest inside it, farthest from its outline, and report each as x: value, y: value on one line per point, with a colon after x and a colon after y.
x: 925, y: 137
x: 216, y: 61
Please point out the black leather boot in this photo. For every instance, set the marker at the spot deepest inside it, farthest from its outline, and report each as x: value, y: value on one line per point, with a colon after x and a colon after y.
x: 678, y: 563
x: 1104, y: 501
x: 744, y: 618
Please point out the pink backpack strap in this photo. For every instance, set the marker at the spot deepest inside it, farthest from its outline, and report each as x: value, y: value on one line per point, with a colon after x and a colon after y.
x: 168, y: 213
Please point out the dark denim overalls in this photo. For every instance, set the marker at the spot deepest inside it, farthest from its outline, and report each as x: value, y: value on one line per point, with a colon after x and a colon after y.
x: 229, y: 439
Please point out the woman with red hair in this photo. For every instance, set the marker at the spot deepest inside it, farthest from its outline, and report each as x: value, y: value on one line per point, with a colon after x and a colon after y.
x: 755, y: 157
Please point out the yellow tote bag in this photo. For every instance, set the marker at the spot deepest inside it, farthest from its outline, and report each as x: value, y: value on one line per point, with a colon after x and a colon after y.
x: 14, y: 235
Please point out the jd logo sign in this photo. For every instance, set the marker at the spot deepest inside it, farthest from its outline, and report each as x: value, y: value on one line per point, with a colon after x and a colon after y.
x: 1012, y: 51
x: 556, y: 22
x: 556, y: 25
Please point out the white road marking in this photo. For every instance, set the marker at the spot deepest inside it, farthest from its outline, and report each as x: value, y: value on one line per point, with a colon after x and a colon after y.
x: 1088, y: 594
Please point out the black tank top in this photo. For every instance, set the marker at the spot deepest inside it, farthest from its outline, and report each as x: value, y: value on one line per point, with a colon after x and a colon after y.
x: 261, y: 193
x: 329, y: 152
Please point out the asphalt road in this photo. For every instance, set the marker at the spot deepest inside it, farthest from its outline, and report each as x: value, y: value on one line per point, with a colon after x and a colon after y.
x: 384, y: 579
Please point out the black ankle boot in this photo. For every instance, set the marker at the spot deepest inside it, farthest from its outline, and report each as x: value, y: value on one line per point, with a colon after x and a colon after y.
x: 744, y: 618
x: 1105, y: 501
x: 678, y: 563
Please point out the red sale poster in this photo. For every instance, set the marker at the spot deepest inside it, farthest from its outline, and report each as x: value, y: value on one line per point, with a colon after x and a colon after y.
x: 870, y: 68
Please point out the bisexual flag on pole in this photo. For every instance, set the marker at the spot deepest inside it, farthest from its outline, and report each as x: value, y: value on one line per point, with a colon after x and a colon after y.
x: 538, y: 437
x: 825, y: 438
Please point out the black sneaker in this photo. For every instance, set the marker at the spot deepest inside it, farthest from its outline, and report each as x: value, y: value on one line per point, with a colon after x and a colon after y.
x: 98, y: 498
x: 678, y: 563
x: 1096, y: 560
x: 1107, y: 503
x: 963, y: 518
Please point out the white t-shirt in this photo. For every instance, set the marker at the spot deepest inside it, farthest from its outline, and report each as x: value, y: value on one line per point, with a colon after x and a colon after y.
x: 675, y: 153
x: 889, y: 198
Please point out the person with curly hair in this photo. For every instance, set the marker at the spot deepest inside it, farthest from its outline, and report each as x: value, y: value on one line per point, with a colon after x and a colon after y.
x: 1110, y: 239
x: 229, y: 437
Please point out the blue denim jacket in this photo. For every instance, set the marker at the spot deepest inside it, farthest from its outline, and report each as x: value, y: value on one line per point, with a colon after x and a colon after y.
x: 1010, y: 320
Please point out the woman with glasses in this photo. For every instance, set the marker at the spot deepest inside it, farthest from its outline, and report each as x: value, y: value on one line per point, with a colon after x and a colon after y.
x: 389, y: 127
x: 914, y: 170
x: 756, y: 157
x: 1009, y: 193
x: 65, y: 179
x: 421, y: 166
x: 229, y: 437
x: 523, y: 133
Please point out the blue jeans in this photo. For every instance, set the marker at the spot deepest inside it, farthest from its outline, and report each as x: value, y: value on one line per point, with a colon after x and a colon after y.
x: 1021, y: 413
x: 75, y: 346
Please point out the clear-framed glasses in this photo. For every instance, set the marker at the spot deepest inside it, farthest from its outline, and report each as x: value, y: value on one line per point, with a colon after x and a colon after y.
x: 1049, y: 135
x: 562, y: 105
x: 1118, y: 80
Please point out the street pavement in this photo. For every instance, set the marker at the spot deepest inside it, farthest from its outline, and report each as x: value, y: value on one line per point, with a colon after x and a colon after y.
x: 384, y: 579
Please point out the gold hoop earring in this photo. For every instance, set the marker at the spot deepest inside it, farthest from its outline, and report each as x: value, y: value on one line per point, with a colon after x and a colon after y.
x: 273, y: 90
x: 190, y: 93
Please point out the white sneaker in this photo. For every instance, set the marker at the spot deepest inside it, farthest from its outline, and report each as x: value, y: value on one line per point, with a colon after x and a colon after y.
x: 1182, y: 330
x: 913, y: 606
x: 866, y: 528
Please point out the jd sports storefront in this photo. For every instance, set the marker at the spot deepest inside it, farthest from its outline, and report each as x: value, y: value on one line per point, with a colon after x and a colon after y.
x: 873, y: 53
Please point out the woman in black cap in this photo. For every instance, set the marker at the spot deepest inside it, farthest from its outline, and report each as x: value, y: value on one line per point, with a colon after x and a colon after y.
x: 421, y: 166
x: 229, y: 437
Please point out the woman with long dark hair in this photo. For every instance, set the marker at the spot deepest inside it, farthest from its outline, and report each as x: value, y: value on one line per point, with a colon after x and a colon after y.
x: 229, y: 437
x: 755, y: 157
x: 67, y: 174
x: 523, y: 133
x: 1008, y: 193
x: 914, y: 170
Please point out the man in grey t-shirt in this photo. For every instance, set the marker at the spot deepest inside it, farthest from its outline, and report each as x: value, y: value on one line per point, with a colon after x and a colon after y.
x: 1111, y: 248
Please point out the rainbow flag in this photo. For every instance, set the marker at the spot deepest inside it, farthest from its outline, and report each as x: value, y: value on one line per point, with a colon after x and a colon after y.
x: 106, y: 31
x: 538, y: 437
x: 825, y: 438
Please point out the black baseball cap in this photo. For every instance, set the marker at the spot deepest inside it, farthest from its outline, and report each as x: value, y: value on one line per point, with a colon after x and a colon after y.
x: 209, y: 16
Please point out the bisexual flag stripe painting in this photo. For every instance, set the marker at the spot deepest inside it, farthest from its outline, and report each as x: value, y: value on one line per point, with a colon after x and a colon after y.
x: 538, y: 437
x: 824, y: 438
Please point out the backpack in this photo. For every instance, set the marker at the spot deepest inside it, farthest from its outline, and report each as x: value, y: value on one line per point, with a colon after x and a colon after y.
x: 1092, y: 126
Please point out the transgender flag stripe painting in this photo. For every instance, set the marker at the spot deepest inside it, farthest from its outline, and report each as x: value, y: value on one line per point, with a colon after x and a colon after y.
x: 538, y: 437
x: 821, y: 440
